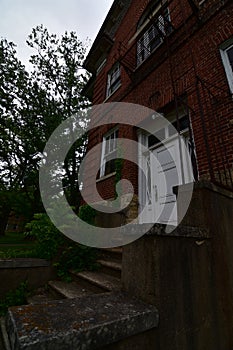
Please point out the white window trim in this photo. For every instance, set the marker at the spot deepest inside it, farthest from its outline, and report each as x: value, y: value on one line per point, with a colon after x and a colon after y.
x: 138, y: 32
x: 145, y: 37
x: 110, y: 82
x: 226, y: 63
x: 103, y: 155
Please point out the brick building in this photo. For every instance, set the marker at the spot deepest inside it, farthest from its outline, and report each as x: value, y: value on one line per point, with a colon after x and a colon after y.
x: 175, y: 57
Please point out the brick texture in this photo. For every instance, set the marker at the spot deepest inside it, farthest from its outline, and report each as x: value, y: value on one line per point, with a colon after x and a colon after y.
x: 188, y: 63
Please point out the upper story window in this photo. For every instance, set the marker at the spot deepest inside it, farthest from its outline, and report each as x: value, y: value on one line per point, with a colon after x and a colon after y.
x: 109, y: 153
x: 227, y: 58
x: 114, y: 79
x: 159, y: 25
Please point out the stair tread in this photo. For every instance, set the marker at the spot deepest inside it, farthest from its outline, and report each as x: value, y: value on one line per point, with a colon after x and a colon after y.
x: 91, y: 322
x: 100, y: 279
x: 116, y: 265
x: 69, y: 290
x: 113, y: 250
x: 38, y: 298
x: 40, y: 295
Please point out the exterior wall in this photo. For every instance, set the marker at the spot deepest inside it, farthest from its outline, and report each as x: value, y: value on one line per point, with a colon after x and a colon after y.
x: 188, y: 275
x: 193, y: 52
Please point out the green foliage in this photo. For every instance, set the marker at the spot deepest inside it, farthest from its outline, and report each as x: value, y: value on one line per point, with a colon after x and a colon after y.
x: 13, y: 238
x: 48, y: 238
x: 14, y: 297
x: 87, y: 214
x: 22, y: 252
x: 14, y: 245
x: 76, y: 257
x: 32, y: 105
x: 52, y: 244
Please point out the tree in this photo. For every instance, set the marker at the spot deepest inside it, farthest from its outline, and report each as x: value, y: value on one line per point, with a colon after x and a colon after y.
x: 17, y: 154
x: 59, y: 73
x: 32, y: 106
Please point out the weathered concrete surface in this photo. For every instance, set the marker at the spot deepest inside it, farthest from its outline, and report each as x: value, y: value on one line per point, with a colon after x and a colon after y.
x: 4, y: 341
x: 67, y: 290
x: 37, y: 272
x: 90, y: 322
x: 23, y: 262
x: 110, y: 267
x: 188, y: 277
x: 101, y: 280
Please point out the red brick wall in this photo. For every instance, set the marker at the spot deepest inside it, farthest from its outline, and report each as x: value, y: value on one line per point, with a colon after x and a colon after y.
x: 153, y: 85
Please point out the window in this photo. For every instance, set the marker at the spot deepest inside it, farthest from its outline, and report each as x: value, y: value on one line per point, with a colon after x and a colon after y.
x: 114, y: 79
x: 227, y: 58
x: 154, y: 35
x: 169, y: 131
x: 109, y: 151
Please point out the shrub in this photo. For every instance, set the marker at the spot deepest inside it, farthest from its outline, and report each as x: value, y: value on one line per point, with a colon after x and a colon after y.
x: 14, y: 297
x: 52, y: 244
x: 48, y: 237
x: 87, y: 214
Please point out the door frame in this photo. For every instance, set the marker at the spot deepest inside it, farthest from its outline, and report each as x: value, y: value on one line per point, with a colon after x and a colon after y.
x: 143, y: 152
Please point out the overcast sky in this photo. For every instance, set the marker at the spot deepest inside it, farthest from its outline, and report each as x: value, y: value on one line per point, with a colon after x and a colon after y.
x: 18, y: 17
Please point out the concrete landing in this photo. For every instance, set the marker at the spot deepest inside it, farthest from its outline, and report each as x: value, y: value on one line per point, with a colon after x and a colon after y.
x: 89, y: 323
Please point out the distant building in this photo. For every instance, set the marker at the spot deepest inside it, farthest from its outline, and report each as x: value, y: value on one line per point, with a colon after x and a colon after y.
x: 16, y: 223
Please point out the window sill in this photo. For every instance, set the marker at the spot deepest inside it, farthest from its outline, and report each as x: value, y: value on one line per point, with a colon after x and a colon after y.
x: 106, y: 99
x: 105, y: 177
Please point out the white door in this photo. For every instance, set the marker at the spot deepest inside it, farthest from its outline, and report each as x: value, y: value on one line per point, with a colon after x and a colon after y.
x: 166, y: 173
x: 166, y: 166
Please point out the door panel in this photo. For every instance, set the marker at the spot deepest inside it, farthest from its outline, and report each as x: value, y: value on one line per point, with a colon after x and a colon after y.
x: 166, y: 173
x: 165, y: 167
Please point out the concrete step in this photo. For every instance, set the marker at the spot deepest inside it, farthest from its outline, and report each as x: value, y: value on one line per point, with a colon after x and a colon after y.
x: 111, y: 253
x: 68, y: 290
x: 110, y: 267
x: 41, y: 295
x: 91, y: 322
x: 99, y: 280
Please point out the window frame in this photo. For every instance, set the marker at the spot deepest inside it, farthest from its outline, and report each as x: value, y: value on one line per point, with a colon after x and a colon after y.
x: 145, y: 42
x: 113, y: 79
x: 104, y: 155
x: 226, y: 62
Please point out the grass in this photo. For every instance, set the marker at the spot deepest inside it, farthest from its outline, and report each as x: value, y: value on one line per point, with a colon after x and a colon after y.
x: 14, y: 245
x: 13, y: 238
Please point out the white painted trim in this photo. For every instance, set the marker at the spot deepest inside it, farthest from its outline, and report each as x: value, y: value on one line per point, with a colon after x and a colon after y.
x: 108, y: 97
x: 226, y: 63
x: 138, y: 32
x: 102, y: 162
x: 116, y: 66
x: 105, y: 177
